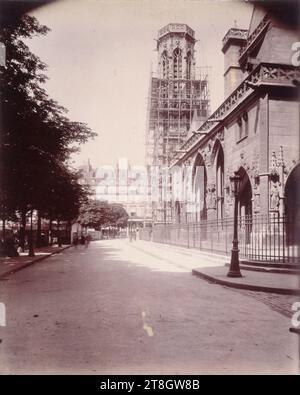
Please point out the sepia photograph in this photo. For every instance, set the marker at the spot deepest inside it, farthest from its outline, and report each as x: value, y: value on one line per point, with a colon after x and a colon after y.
x: 149, y: 190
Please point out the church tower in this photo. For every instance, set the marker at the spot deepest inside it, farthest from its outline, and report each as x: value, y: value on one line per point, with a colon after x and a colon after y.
x: 178, y: 104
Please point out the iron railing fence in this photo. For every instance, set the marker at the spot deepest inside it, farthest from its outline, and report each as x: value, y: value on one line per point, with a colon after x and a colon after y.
x: 270, y: 238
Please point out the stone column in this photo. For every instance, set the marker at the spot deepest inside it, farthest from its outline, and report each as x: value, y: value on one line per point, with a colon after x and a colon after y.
x: 264, y: 155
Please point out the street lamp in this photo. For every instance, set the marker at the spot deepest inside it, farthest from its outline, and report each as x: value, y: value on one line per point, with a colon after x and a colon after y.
x: 234, y: 270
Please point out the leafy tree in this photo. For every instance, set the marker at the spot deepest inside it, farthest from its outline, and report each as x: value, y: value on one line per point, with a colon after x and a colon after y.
x: 96, y: 214
x: 118, y: 215
x: 37, y: 138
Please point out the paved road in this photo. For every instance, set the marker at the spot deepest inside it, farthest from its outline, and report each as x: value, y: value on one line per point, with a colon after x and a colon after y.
x: 114, y: 308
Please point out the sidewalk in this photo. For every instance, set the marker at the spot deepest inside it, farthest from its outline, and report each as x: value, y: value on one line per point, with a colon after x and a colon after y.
x: 12, y: 265
x: 211, y: 267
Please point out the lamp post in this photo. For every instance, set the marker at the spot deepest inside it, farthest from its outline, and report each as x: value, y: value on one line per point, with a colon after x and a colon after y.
x: 234, y: 270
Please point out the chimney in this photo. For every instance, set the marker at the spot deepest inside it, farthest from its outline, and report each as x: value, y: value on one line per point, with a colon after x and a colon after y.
x: 233, y: 41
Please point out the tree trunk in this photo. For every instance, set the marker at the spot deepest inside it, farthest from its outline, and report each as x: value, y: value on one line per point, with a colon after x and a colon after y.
x: 3, y: 228
x: 31, y: 248
x: 2, y: 240
x: 39, y: 230
x: 68, y: 232
x: 58, y: 234
x: 22, y: 230
x: 50, y: 231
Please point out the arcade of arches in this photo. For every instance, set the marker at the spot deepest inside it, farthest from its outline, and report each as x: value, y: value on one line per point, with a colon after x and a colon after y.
x: 292, y: 204
x: 210, y: 193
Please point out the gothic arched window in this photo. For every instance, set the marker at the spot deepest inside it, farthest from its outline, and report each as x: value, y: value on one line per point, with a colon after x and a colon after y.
x: 220, y: 183
x: 165, y: 64
x: 177, y: 63
x: 188, y: 65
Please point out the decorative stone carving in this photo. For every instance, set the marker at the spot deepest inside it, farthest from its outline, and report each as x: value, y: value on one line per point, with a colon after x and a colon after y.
x: 244, y: 163
x: 203, y: 153
x: 272, y: 74
x: 256, y: 203
x: 289, y: 166
x: 254, y: 170
x: 220, y: 135
x: 274, y: 165
x: 228, y: 201
x: 213, y: 148
x: 211, y: 197
x: 277, y: 164
x: 275, y: 196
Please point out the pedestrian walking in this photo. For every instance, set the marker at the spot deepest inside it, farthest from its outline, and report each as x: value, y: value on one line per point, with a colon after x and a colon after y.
x: 87, y: 240
x: 82, y: 239
x: 75, y: 239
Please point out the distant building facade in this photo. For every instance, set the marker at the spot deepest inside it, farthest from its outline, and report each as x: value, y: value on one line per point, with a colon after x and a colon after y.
x: 123, y: 183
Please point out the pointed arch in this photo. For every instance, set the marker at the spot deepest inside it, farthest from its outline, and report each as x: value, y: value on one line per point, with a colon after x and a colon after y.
x: 292, y: 206
x: 199, y: 179
x: 177, y: 63
x: 165, y: 64
x: 218, y: 162
x: 189, y: 65
x: 245, y: 193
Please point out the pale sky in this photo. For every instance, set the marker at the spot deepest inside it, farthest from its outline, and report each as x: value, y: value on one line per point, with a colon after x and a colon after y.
x: 100, y: 52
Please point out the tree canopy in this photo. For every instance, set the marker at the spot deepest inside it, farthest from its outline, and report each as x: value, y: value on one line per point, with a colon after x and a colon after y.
x: 37, y: 138
x: 97, y: 214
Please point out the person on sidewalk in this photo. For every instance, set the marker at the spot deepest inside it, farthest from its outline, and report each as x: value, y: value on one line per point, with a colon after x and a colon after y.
x: 10, y: 248
x: 75, y: 239
x: 82, y: 239
x: 87, y: 240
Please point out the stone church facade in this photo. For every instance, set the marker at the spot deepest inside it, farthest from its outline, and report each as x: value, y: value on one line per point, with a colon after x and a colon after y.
x: 254, y: 132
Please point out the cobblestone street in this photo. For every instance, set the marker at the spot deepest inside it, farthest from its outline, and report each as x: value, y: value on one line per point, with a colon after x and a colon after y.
x: 280, y: 303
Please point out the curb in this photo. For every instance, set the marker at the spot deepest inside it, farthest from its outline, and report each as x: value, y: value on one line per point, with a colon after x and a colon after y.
x: 249, y: 287
x: 211, y: 279
x: 38, y: 259
x: 267, y: 270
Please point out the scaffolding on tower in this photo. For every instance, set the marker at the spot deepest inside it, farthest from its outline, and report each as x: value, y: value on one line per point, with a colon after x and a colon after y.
x: 178, y: 101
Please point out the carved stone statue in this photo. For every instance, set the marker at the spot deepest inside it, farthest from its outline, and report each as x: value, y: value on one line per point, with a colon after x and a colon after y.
x: 275, y: 196
x: 256, y: 202
x: 211, y: 197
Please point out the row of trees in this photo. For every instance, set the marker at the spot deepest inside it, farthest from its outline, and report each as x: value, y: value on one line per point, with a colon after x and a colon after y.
x: 36, y: 139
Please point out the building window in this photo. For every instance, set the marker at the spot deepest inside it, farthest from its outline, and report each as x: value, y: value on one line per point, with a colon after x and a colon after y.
x: 243, y: 127
x: 188, y: 65
x: 177, y: 64
x: 245, y: 121
x: 240, y: 128
x: 220, y: 183
x: 165, y: 65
